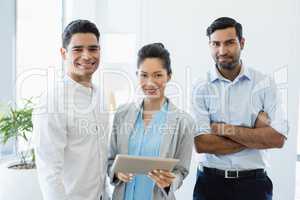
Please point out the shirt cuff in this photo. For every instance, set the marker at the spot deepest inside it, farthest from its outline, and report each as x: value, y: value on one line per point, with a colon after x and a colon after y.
x: 202, y: 131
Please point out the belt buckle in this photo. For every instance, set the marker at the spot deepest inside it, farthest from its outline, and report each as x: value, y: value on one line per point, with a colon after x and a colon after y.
x: 231, y: 177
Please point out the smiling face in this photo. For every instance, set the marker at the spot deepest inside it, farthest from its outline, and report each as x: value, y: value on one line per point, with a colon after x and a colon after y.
x: 82, y: 56
x: 153, y: 77
x: 226, y: 48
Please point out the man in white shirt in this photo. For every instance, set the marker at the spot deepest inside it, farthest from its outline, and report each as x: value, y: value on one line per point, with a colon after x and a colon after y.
x: 239, y: 116
x: 71, y: 125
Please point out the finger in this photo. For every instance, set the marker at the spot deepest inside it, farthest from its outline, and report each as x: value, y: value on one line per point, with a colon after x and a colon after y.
x: 167, y: 174
x: 166, y: 179
x: 215, y: 128
x: 164, y: 175
x: 159, y: 182
x: 221, y: 129
x: 156, y: 179
x: 162, y: 179
x: 154, y: 176
x: 125, y: 177
x: 130, y: 176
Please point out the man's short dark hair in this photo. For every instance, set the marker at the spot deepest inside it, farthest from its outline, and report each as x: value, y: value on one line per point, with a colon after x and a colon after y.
x: 78, y: 26
x: 155, y: 50
x: 223, y: 23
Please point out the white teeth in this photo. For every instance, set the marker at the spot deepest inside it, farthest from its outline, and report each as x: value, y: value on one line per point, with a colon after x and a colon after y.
x: 84, y: 66
x: 151, y: 90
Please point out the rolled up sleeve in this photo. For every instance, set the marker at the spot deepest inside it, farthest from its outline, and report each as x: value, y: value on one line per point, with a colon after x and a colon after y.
x: 200, y: 111
x: 275, y: 109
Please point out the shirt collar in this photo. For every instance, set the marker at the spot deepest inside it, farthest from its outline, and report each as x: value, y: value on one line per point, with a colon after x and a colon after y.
x: 69, y: 80
x: 163, y: 108
x: 214, y: 74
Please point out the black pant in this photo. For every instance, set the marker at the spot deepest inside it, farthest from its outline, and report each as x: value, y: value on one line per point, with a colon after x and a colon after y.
x: 216, y: 187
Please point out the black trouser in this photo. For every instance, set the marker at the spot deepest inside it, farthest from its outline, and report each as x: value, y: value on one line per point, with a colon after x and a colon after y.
x: 216, y: 187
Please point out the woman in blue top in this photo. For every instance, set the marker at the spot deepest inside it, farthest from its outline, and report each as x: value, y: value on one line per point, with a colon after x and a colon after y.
x: 151, y: 126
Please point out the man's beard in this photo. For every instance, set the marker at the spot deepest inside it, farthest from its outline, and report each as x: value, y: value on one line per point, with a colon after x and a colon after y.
x: 229, y: 65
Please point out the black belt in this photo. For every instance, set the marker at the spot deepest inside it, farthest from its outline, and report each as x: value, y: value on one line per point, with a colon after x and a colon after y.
x: 234, y: 174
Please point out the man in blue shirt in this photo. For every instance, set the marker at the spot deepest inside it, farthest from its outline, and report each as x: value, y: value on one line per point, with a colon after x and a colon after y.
x: 239, y: 116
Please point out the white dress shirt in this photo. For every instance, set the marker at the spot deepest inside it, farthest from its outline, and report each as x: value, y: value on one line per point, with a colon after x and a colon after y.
x: 238, y: 103
x: 71, y: 129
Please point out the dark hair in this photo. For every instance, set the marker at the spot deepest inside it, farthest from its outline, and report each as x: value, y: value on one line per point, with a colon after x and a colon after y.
x: 78, y: 26
x: 155, y: 50
x: 223, y: 23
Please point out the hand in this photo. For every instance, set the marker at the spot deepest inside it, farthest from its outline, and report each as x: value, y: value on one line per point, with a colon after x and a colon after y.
x: 222, y: 129
x: 262, y: 120
x: 124, y: 177
x: 162, y: 178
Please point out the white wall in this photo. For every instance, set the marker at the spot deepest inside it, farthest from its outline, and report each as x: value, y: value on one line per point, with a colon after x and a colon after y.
x: 271, y: 29
x: 7, y: 50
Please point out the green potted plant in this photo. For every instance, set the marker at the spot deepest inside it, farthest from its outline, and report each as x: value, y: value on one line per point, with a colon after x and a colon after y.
x: 17, y: 124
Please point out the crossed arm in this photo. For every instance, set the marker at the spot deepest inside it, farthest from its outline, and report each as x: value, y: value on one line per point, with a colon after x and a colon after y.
x: 227, y: 139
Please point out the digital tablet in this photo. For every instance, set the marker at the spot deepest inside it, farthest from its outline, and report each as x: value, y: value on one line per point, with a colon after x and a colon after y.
x: 141, y: 164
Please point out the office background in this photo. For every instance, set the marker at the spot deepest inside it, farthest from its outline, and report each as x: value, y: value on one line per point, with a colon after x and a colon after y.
x: 30, y: 41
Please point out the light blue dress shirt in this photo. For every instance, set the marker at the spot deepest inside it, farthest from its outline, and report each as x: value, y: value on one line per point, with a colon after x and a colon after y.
x: 145, y: 141
x: 237, y: 102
